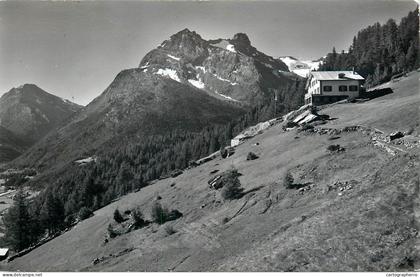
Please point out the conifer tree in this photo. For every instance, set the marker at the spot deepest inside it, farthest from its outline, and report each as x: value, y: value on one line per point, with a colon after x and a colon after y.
x: 18, y: 223
x: 52, y: 213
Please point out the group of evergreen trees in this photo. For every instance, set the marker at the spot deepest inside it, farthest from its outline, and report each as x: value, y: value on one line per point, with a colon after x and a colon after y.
x: 380, y: 51
x: 19, y: 223
x: 124, y: 167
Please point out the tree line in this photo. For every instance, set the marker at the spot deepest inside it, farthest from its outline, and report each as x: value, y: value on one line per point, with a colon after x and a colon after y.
x: 379, y: 52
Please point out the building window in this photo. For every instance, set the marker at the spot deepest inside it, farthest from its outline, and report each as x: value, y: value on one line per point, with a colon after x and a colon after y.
x: 342, y: 88
x: 327, y: 88
x: 353, y: 88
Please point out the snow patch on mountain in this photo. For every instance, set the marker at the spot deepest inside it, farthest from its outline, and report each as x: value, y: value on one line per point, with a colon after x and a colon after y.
x: 167, y: 72
x: 145, y: 66
x: 202, y: 68
x: 289, y: 61
x: 301, y: 72
x: 231, y: 48
x: 197, y: 83
x: 62, y: 99
x: 224, y: 44
x: 300, y: 67
x: 225, y: 80
x: 314, y: 65
x: 225, y: 96
x: 173, y: 57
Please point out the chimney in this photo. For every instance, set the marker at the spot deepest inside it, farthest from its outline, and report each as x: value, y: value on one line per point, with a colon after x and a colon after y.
x: 353, y: 69
x: 341, y: 75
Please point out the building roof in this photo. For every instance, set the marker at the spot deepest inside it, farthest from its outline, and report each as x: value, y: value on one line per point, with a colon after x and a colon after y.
x: 3, y: 251
x: 333, y: 75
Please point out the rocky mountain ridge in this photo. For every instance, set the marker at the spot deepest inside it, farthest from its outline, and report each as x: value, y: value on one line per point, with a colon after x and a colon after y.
x: 28, y: 113
x: 230, y: 69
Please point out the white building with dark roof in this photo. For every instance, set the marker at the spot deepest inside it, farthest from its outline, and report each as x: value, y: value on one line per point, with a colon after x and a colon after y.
x: 325, y: 87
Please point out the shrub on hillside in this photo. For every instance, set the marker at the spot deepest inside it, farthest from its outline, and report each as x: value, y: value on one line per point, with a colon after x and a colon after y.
x: 335, y: 148
x: 174, y: 215
x: 138, y: 219
x: 159, y: 213
x: 117, y: 216
x: 223, y: 153
x: 69, y: 220
x: 231, y: 186
x: 251, y: 156
x: 288, y: 180
x: 111, y: 232
x: 85, y: 213
x: 290, y: 183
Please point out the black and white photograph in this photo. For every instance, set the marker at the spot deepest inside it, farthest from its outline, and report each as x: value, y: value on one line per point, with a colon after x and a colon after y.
x: 222, y: 136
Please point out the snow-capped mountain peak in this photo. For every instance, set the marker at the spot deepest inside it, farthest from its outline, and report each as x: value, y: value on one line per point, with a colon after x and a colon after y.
x: 230, y: 67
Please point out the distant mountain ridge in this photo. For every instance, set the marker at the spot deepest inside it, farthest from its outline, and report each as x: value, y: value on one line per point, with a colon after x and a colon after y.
x: 28, y: 113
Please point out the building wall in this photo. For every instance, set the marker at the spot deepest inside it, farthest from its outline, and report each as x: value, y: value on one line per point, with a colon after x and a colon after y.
x: 316, y: 88
x: 336, y: 83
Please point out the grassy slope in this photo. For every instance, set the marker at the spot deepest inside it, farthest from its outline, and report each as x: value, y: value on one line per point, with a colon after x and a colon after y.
x: 371, y: 227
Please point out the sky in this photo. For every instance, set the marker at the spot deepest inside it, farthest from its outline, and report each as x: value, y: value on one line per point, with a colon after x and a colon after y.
x: 75, y: 49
